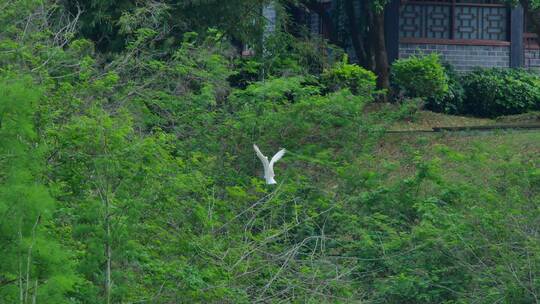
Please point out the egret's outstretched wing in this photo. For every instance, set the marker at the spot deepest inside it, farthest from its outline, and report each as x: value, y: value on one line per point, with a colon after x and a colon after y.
x: 277, y: 156
x: 263, y: 158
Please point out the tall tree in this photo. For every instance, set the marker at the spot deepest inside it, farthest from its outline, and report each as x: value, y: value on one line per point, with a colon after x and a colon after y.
x: 93, y: 155
x: 34, y: 268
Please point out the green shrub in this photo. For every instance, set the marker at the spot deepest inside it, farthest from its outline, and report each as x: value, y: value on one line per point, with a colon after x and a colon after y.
x: 343, y: 75
x: 452, y: 101
x: 495, y: 92
x: 420, y: 76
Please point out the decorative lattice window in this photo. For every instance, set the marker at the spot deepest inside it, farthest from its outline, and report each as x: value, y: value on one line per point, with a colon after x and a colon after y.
x: 454, y: 19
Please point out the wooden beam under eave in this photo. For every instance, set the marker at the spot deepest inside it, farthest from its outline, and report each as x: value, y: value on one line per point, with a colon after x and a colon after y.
x: 516, y: 37
x: 391, y: 30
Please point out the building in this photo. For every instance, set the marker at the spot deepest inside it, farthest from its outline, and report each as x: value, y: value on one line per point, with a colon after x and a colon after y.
x: 466, y: 33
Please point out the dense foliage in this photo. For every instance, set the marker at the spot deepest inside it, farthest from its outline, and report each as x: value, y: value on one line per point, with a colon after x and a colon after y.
x: 482, y: 92
x: 129, y: 177
x: 494, y: 92
x: 111, y: 23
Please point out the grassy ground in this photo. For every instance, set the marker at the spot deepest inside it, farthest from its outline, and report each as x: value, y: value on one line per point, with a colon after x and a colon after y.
x: 474, y: 156
x: 533, y: 118
x: 496, y: 146
x: 520, y: 142
x: 426, y: 120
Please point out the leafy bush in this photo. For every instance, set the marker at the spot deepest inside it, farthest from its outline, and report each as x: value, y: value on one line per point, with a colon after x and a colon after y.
x: 343, y: 75
x: 420, y: 76
x: 452, y: 101
x: 495, y: 92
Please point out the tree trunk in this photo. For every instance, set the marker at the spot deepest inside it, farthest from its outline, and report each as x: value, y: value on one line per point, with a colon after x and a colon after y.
x: 21, y: 286
x: 108, y: 252
x: 377, y: 39
x: 34, y: 298
x: 356, y: 35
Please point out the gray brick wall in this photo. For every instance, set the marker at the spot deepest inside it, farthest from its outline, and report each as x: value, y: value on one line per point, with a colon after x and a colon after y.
x: 532, y: 60
x: 463, y: 57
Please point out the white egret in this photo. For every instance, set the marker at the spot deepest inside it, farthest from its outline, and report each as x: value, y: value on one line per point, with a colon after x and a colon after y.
x: 269, y: 165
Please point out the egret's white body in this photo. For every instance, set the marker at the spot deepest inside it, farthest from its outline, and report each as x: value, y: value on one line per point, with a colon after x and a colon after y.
x: 268, y: 166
